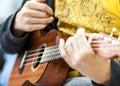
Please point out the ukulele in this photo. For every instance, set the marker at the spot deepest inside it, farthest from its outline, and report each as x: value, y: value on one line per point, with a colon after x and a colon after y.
x: 40, y: 63
x: 36, y: 64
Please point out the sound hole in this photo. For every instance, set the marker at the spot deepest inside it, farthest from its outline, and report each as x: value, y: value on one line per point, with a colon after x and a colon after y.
x: 38, y: 56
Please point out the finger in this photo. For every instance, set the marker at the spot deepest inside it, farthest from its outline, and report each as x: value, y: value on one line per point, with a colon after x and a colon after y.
x: 34, y: 27
x: 38, y: 20
x: 82, y: 38
x: 63, y: 53
x: 62, y: 48
x: 39, y: 6
x: 68, y: 46
x: 75, y: 44
x: 36, y: 13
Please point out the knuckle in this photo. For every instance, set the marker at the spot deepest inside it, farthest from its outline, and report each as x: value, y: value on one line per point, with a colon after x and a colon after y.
x: 44, y: 14
x: 29, y: 28
x: 28, y: 4
x: 26, y: 20
x: 24, y: 12
x: 45, y: 7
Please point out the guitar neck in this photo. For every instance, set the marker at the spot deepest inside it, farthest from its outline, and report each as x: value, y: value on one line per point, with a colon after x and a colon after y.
x: 50, y: 53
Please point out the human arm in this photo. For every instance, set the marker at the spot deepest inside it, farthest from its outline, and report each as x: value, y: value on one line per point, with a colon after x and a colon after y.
x: 115, y: 75
x: 13, y: 31
x: 78, y: 53
x: 34, y: 15
x: 9, y: 42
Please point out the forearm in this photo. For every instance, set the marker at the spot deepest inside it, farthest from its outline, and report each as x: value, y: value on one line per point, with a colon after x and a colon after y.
x: 97, y: 69
x: 115, y: 75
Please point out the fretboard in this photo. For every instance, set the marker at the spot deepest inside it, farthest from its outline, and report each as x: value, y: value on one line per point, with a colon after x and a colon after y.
x: 50, y: 53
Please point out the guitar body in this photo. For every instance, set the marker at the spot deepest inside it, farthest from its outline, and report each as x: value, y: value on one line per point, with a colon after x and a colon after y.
x: 52, y: 73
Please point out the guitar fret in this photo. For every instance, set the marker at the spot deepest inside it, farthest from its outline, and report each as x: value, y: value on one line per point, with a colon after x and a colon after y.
x: 51, y: 53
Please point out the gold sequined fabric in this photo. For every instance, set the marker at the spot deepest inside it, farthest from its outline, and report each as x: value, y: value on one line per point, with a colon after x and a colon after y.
x: 113, y: 6
x: 93, y: 15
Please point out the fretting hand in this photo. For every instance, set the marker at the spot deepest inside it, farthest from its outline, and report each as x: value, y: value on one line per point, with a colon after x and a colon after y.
x: 78, y: 53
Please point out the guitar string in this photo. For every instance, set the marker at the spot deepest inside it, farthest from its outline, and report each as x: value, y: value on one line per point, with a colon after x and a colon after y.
x: 31, y: 51
x: 30, y: 63
x: 56, y: 46
x: 30, y: 55
x: 93, y: 45
x: 32, y: 60
x: 48, y: 52
x: 41, y: 56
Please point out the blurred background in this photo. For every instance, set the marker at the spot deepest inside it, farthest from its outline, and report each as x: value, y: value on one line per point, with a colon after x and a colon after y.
x: 7, y: 8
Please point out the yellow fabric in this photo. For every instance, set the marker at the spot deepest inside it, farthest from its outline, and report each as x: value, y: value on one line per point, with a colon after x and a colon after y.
x: 73, y: 74
x: 93, y: 15
x: 113, y: 6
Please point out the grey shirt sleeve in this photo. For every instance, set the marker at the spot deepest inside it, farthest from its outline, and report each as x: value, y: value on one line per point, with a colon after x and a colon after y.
x: 115, y: 75
x: 9, y: 43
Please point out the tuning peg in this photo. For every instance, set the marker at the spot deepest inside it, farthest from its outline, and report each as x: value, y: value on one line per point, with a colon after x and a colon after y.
x: 113, y: 30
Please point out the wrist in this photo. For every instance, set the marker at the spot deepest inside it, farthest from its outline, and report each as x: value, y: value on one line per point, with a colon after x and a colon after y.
x: 15, y: 30
x: 18, y: 33
x: 104, y: 70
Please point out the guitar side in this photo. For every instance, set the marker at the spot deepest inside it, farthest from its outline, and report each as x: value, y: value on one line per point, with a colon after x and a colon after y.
x: 52, y: 73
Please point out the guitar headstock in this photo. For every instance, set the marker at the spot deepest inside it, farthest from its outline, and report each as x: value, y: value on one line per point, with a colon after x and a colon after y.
x: 106, y: 46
